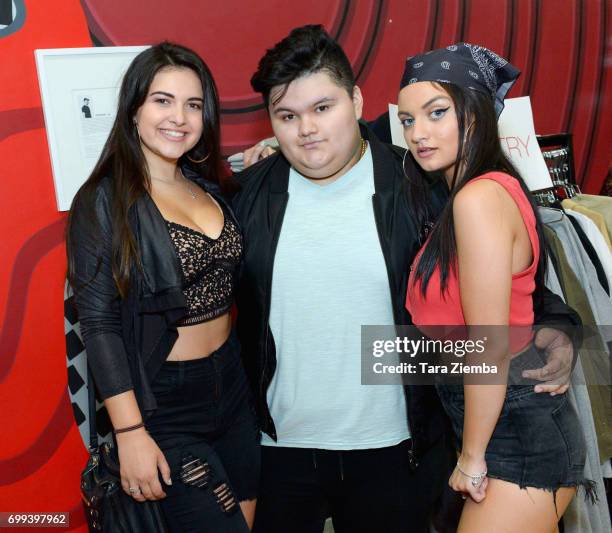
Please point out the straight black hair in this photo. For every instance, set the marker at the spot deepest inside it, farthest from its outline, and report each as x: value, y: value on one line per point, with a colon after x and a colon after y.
x: 123, y: 161
x: 479, y: 152
x: 306, y: 50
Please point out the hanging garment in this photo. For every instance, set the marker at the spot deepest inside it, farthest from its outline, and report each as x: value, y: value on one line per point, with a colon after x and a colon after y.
x: 599, y: 204
x: 581, y: 265
x: 597, y: 240
x: 590, y: 251
x: 582, y: 516
x: 552, y: 280
x: 600, y: 220
x: 594, y: 354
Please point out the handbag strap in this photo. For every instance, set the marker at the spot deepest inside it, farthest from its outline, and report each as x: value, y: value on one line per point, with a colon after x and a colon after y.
x: 93, y: 430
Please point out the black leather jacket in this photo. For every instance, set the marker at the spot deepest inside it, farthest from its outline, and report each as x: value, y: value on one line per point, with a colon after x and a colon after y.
x: 127, y: 340
x: 260, y: 207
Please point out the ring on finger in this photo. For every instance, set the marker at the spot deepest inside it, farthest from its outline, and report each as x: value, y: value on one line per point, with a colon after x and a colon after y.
x: 134, y: 490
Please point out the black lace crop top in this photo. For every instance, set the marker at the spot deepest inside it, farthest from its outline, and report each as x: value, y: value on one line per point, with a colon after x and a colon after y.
x: 208, y: 267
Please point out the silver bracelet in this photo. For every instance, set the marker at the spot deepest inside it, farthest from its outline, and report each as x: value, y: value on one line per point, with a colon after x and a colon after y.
x: 477, y: 479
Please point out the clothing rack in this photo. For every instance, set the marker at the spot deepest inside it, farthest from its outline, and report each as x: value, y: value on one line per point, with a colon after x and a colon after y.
x: 558, y: 153
x: 546, y: 197
x: 588, y: 271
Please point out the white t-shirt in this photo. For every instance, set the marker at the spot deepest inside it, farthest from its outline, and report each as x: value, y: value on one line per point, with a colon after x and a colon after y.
x: 330, y: 278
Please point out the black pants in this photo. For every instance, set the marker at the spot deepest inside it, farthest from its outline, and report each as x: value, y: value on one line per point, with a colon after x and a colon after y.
x: 207, y: 431
x: 362, y: 490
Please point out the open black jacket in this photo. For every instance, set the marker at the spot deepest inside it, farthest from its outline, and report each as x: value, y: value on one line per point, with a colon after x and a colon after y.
x: 260, y: 207
x: 127, y: 340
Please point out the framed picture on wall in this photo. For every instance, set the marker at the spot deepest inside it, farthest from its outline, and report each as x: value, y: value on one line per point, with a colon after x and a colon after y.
x: 79, y: 88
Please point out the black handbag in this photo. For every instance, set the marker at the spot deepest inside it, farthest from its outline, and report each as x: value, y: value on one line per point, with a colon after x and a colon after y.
x: 107, y: 507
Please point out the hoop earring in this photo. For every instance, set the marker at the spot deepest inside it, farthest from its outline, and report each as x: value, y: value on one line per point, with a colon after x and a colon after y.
x: 198, y: 160
x: 467, y: 133
x: 404, y: 164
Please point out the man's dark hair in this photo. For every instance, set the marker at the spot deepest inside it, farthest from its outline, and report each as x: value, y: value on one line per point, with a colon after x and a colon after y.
x: 306, y: 50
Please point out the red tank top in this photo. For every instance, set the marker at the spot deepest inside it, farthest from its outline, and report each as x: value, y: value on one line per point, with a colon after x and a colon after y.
x: 437, y: 309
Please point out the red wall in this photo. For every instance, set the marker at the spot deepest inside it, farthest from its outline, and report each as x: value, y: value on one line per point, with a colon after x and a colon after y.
x: 559, y: 45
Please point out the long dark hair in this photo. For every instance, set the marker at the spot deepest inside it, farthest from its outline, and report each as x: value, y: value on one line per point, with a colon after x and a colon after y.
x: 479, y: 152
x: 123, y: 162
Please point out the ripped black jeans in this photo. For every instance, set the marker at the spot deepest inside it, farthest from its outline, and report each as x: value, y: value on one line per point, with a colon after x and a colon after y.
x: 206, y: 428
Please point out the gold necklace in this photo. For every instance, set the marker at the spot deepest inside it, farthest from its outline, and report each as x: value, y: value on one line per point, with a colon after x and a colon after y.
x: 364, y: 147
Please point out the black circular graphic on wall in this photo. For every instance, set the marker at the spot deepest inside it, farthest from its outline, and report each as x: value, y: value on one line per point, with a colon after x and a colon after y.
x: 12, y: 16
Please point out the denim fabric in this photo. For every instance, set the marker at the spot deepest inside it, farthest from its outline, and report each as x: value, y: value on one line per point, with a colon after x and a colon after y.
x: 205, y: 412
x: 537, y: 441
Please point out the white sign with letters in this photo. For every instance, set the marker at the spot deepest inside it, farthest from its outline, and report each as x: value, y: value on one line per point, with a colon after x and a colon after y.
x: 518, y: 140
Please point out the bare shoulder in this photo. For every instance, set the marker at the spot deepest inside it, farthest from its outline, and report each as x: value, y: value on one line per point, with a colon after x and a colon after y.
x: 483, y: 198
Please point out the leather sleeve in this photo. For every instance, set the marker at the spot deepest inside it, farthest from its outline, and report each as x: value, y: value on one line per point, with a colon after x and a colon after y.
x: 552, y: 312
x: 96, y: 297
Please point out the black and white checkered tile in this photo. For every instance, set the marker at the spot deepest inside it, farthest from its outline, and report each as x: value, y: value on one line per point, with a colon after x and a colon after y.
x: 76, y: 361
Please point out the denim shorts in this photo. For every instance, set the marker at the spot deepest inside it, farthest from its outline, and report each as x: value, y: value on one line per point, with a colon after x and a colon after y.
x: 204, y: 417
x: 537, y: 441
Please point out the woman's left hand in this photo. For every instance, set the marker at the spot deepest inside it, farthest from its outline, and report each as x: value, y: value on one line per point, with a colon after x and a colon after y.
x: 462, y: 482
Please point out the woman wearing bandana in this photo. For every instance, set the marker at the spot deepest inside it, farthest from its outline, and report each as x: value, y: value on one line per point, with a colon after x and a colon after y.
x: 520, y: 454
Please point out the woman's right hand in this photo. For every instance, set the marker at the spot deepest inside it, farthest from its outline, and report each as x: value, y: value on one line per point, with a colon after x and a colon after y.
x: 463, y: 478
x: 139, y: 459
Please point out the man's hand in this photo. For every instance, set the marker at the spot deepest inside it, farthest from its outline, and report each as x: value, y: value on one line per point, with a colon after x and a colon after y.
x: 555, y: 375
x: 256, y: 153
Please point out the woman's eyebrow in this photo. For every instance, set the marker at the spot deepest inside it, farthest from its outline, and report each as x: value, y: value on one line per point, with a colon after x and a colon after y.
x: 170, y: 95
x: 429, y: 102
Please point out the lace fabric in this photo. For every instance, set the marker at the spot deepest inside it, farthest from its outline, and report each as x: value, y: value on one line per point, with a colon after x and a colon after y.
x: 208, y: 267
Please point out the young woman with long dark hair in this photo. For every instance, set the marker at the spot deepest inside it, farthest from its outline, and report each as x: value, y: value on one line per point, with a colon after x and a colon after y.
x: 521, y: 455
x: 153, y: 253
